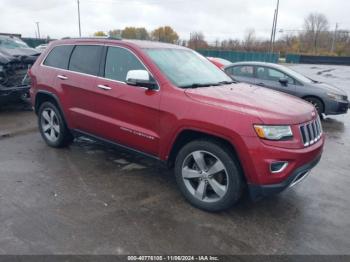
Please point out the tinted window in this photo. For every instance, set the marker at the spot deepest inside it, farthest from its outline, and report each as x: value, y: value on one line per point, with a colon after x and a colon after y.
x: 270, y: 74
x: 86, y: 59
x: 59, y: 56
x: 243, y: 71
x: 118, y: 62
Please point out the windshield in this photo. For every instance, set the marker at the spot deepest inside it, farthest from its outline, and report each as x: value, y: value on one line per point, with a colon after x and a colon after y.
x: 297, y: 75
x: 12, y: 43
x: 186, y: 68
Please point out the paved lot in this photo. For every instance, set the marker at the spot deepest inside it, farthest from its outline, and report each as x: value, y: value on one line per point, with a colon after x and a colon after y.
x: 89, y: 199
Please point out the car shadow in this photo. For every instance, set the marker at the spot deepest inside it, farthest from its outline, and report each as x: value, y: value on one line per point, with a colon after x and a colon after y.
x: 333, y: 125
x: 15, y: 105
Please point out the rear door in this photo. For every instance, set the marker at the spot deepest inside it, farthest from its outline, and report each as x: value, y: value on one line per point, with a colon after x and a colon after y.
x: 126, y: 114
x: 270, y: 78
x: 242, y: 73
x: 55, y: 63
x: 78, y: 86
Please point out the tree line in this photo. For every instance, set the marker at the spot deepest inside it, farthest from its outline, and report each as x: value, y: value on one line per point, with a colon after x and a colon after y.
x: 161, y: 34
x: 314, y: 38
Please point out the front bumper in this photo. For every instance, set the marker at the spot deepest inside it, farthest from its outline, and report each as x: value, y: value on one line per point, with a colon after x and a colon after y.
x: 8, y: 94
x: 257, y: 157
x: 259, y: 191
x: 337, y: 107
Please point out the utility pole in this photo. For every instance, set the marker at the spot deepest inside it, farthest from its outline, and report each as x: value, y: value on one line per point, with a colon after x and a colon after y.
x: 38, y: 29
x: 79, y: 18
x: 334, y: 37
x: 274, y: 27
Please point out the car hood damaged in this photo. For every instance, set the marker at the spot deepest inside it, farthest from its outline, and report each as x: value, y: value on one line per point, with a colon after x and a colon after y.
x: 14, y: 64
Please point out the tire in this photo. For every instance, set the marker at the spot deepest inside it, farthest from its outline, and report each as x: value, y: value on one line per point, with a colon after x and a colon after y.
x: 208, y: 175
x: 52, y: 127
x: 317, y: 103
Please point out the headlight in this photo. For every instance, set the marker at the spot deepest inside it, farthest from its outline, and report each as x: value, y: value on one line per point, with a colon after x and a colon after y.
x: 273, y: 132
x: 335, y: 96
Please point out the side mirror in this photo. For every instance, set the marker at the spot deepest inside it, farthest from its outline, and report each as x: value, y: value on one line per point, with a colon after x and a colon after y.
x: 140, y: 78
x: 283, y: 81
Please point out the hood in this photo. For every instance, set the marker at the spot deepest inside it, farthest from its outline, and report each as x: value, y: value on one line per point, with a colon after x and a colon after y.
x: 5, y: 58
x: 18, y: 55
x: 271, y: 107
x: 18, y: 52
x: 329, y: 88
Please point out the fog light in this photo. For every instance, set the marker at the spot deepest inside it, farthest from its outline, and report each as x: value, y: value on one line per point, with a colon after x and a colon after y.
x: 278, y: 167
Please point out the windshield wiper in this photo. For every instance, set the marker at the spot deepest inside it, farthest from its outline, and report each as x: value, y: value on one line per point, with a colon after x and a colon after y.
x: 196, y: 85
x: 226, y: 82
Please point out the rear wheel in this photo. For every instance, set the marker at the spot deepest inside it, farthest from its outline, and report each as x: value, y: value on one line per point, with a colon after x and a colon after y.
x: 208, y: 175
x: 52, y: 127
x: 317, y: 103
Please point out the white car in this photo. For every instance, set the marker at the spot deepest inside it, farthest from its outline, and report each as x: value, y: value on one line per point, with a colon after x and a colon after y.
x: 41, y: 47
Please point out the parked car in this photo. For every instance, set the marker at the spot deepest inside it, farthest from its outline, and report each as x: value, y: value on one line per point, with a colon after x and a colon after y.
x: 170, y: 103
x: 15, y: 59
x: 327, y: 99
x: 219, y: 62
x: 41, y: 47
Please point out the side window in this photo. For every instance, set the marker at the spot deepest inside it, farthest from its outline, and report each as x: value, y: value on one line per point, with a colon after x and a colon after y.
x: 270, y: 74
x: 243, y: 71
x: 59, y: 56
x: 86, y: 59
x: 118, y: 62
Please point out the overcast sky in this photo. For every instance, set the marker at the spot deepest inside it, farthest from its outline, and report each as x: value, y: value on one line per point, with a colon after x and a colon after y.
x: 217, y: 19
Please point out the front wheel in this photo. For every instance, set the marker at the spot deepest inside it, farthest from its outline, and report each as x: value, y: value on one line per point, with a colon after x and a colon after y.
x: 208, y: 175
x: 317, y: 103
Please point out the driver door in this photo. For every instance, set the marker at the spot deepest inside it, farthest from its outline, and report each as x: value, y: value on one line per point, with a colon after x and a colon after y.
x: 270, y: 78
x: 126, y: 114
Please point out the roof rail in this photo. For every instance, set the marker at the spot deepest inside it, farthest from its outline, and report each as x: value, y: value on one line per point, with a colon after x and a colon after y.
x: 94, y: 37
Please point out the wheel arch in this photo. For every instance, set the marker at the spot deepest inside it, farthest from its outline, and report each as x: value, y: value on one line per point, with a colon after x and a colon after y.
x: 316, y: 97
x: 45, y: 96
x: 188, y: 135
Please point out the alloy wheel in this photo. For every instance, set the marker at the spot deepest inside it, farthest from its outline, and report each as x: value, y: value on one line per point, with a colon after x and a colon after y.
x: 50, y: 124
x: 205, y: 176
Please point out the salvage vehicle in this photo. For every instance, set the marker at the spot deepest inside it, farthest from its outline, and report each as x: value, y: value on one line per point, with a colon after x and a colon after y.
x: 327, y: 99
x: 172, y: 104
x: 219, y: 62
x: 15, y: 59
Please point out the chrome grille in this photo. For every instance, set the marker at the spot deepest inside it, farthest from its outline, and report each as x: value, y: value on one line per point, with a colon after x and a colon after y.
x: 311, y: 132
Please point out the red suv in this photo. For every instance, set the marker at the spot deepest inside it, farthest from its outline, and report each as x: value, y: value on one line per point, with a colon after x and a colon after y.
x: 170, y: 103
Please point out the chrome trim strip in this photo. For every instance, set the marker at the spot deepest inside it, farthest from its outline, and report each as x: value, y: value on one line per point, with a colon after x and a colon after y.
x: 281, y: 169
x: 312, y: 131
x: 298, y: 179
x: 100, y: 77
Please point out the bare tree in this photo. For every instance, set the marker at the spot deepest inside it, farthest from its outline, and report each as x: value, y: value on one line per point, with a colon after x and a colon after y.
x: 197, y: 41
x: 249, y: 39
x: 314, y: 25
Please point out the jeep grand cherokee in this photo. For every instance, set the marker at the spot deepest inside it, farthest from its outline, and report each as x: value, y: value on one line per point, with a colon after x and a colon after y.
x: 170, y: 103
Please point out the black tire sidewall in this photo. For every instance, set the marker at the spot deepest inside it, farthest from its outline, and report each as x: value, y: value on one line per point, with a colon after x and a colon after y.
x: 234, y: 190
x: 62, y: 137
x: 313, y: 100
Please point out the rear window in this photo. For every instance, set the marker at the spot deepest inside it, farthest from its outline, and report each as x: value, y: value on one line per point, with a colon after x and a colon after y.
x: 86, y: 59
x: 59, y: 56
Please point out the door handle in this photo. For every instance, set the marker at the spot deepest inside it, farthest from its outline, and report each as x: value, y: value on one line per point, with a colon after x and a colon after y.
x: 62, y: 77
x: 261, y: 84
x: 104, y: 87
